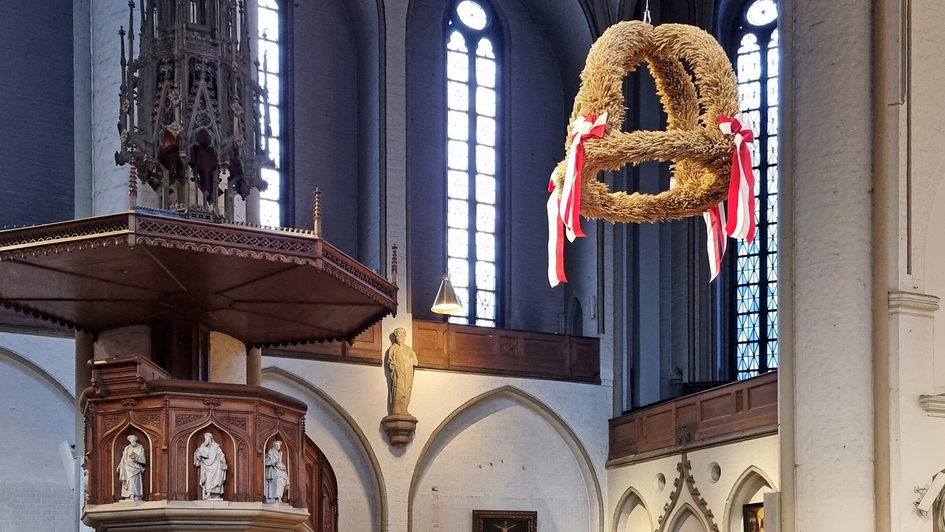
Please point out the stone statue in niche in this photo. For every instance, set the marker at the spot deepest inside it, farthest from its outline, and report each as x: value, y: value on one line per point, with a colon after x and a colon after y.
x: 401, y: 362
x: 130, y: 469
x: 277, y: 477
x: 211, y: 462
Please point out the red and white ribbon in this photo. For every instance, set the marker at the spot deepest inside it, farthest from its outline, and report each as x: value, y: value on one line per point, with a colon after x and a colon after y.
x: 715, y: 238
x: 741, y: 191
x: 564, y: 211
x: 741, y: 197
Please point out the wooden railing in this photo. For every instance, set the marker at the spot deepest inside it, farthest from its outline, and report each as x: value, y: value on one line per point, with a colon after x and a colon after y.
x: 465, y: 348
x: 737, y: 411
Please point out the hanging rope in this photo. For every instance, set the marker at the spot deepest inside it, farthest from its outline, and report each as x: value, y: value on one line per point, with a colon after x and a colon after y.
x: 646, y: 13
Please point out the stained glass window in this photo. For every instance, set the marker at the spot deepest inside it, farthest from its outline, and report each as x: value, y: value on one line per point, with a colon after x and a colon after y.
x: 756, y: 263
x: 472, y: 162
x: 269, y: 37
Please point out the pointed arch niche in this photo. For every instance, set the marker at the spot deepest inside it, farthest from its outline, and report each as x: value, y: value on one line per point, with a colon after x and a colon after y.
x: 362, y: 494
x: 687, y: 520
x: 540, y: 46
x: 632, y: 514
x: 483, y: 456
x: 336, y: 129
x: 750, y: 487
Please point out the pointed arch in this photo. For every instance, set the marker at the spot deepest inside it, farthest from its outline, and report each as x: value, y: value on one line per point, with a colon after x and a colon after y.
x: 752, y: 480
x: 686, y: 510
x: 354, y: 432
x: 444, y: 433
x: 39, y: 373
x: 630, y: 501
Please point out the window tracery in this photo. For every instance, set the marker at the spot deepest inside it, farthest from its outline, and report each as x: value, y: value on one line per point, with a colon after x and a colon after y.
x: 472, y: 111
x: 756, y: 264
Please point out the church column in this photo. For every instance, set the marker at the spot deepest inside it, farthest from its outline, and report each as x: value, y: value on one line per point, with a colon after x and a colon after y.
x: 84, y: 353
x: 254, y: 366
x: 228, y: 360
x: 827, y: 437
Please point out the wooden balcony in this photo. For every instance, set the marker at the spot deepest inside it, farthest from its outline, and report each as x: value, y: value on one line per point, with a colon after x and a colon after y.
x: 469, y: 349
x: 730, y: 413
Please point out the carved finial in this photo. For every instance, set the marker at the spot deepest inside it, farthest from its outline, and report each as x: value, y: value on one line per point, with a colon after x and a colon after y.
x: 132, y: 187
x: 317, y: 213
x: 131, y: 30
x: 393, y: 264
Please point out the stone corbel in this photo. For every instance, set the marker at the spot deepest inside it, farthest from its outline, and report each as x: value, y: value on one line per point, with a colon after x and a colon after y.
x: 934, y: 405
x: 921, y: 306
x: 912, y: 304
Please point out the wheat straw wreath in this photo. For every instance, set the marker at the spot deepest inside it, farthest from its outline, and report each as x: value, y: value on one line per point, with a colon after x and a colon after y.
x: 704, y: 139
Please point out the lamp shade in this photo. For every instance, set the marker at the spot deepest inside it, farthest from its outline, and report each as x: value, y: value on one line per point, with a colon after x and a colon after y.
x: 446, y: 301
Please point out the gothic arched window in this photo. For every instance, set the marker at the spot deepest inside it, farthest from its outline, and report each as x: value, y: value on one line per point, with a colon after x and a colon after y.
x: 270, y: 20
x: 756, y: 264
x: 472, y: 59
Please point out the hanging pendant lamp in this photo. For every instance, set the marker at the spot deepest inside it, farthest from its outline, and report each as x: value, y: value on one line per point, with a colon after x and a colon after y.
x: 446, y: 301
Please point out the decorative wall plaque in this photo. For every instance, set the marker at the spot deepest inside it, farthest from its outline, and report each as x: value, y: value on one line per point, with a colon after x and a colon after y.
x: 504, y: 521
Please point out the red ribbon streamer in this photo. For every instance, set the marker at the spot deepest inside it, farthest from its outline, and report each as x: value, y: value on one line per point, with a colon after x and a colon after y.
x: 741, y: 191
x: 568, y: 217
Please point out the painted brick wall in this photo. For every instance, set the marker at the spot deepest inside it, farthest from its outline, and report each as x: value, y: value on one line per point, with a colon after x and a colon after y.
x: 34, y: 491
x: 511, y: 432
x: 510, y: 460
x: 36, y: 117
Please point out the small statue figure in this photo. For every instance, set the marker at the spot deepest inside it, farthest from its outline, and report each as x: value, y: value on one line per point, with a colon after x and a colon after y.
x: 130, y: 470
x: 401, y: 360
x: 277, y: 477
x: 210, y: 460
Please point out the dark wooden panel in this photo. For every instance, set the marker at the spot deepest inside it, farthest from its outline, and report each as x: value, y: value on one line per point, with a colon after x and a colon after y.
x: 134, y: 396
x: 465, y: 348
x: 506, y: 352
x: 728, y: 413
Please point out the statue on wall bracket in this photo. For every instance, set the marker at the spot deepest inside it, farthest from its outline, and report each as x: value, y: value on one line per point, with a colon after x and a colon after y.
x: 401, y: 363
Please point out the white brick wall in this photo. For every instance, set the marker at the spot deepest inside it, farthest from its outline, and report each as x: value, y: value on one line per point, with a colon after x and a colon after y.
x: 34, y: 491
x: 510, y: 460
x: 530, y: 441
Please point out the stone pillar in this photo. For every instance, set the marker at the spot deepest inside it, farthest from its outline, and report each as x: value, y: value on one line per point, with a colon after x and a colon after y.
x: 828, y: 178
x: 84, y: 353
x: 227, y: 359
x: 254, y: 366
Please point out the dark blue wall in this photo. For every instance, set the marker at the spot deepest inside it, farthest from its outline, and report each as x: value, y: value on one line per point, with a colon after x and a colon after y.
x: 37, y: 178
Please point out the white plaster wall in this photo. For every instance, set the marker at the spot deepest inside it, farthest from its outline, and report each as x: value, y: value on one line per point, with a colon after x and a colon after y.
x: 362, y: 393
x: 510, y: 460
x: 36, y: 418
x: 722, y: 498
